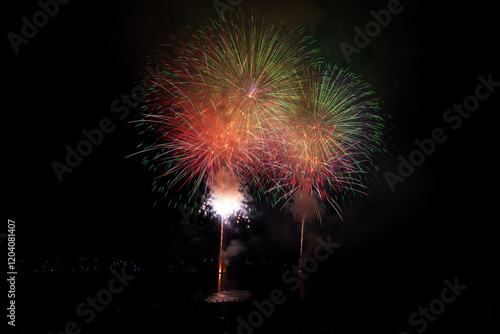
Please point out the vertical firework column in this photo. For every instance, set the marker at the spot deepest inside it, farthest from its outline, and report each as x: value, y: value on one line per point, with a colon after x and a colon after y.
x: 226, y: 201
x: 301, y: 245
x: 221, y: 266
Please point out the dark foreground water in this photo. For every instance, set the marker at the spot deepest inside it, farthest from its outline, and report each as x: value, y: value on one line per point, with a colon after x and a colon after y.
x: 252, y: 301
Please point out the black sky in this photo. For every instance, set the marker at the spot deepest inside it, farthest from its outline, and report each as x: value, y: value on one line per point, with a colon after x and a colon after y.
x: 428, y: 58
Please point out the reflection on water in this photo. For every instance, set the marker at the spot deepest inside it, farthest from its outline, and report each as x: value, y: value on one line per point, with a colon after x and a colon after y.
x: 233, y: 289
x: 229, y: 289
x: 227, y: 296
x: 305, y: 289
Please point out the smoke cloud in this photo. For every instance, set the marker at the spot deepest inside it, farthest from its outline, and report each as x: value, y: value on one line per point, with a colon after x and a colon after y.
x: 305, y: 206
x: 234, y: 248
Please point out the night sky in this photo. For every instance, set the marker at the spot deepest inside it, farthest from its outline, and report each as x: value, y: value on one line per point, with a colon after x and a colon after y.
x: 439, y: 223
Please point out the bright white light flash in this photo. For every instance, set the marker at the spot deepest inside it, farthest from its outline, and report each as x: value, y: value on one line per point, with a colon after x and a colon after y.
x: 226, y: 204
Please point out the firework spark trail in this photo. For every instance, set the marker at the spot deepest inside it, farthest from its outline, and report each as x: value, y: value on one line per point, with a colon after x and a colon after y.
x: 227, y: 200
x: 221, y: 269
x: 301, y: 244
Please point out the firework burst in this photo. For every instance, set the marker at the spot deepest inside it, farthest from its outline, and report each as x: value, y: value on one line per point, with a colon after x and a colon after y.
x: 251, y: 101
x: 334, y: 130
x: 213, y: 110
x: 223, y: 88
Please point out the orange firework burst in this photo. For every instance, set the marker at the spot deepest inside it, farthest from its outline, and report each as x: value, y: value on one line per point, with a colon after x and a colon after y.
x: 222, y: 91
x: 248, y: 98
